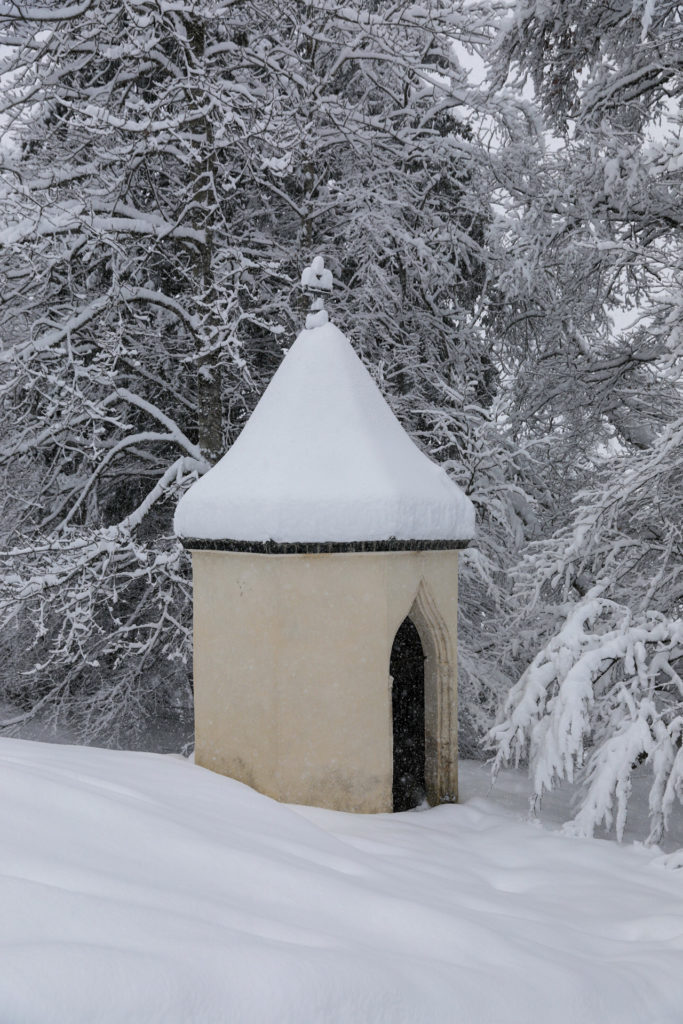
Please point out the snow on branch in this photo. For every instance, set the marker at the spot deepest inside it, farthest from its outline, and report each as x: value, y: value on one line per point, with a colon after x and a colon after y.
x: 609, y: 688
x: 20, y: 12
x: 75, y: 216
x: 175, y: 433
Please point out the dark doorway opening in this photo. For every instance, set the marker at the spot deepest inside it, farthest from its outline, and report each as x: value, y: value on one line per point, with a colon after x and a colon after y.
x: 408, y: 710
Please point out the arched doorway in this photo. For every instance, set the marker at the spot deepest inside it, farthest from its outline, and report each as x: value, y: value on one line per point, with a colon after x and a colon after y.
x: 408, y: 714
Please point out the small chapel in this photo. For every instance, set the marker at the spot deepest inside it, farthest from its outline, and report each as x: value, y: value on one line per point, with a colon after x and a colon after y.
x: 325, y: 572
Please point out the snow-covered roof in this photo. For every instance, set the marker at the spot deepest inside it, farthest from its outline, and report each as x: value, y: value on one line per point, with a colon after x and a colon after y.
x: 323, y: 459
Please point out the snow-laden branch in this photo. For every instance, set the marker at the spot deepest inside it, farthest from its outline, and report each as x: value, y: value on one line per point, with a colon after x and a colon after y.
x: 604, y: 683
x: 24, y: 12
x: 106, y: 542
x: 74, y: 216
x: 158, y: 298
x: 51, y: 338
x: 175, y: 433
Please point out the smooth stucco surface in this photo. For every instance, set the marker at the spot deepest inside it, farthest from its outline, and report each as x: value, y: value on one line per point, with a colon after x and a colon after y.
x: 291, y: 668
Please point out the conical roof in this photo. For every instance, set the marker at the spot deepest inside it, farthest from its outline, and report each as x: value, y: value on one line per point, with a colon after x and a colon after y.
x: 323, y: 460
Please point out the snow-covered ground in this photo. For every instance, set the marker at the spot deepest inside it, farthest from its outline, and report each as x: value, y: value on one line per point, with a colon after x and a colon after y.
x: 139, y: 888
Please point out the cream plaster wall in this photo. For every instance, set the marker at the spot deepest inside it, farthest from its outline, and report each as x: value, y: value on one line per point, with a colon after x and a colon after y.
x: 291, y: 670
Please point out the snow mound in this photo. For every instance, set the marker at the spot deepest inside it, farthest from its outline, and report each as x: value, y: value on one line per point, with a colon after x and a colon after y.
x: 323, y: 458
x: 138, y: 887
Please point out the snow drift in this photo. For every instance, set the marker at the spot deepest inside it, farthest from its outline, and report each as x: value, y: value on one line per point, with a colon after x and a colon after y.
x: 138, y: 887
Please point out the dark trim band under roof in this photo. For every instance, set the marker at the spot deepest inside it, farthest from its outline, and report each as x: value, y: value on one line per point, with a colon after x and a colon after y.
x: 271, y: 547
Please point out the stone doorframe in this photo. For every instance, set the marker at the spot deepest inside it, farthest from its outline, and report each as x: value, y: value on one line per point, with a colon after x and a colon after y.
x: 441, y: 699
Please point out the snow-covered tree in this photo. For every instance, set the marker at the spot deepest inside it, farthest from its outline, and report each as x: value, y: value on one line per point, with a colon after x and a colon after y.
x: 596, y: 228
x: 168, y: 170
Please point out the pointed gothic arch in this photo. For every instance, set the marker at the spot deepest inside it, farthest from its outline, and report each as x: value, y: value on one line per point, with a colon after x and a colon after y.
x: 407, y: 669
x: 440, y: 697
